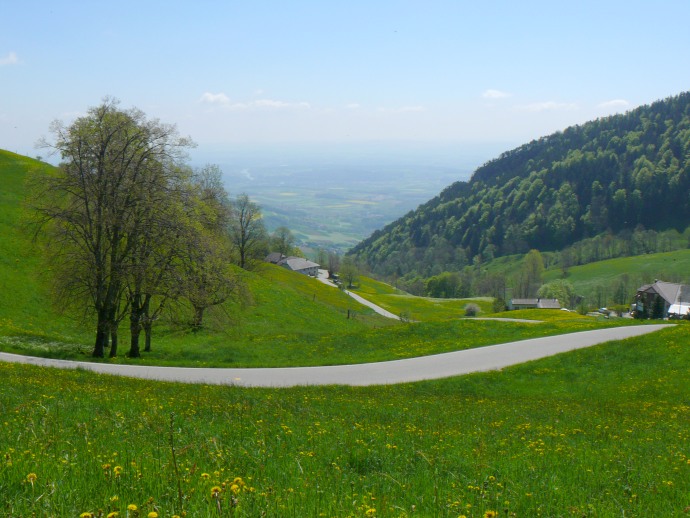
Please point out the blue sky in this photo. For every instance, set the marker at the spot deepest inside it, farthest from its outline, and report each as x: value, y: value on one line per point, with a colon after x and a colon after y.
x: 233, y: 74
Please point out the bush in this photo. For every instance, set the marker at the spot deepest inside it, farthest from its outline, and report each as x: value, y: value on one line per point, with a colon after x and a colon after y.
x: 499, y: 305
x: 472, y: 310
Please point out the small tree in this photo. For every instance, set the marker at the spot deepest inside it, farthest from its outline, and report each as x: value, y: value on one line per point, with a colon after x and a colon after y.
x: 559, y: 289
x: 349, y: 272
x: 499, y: 305
x: 658, y: 308
x: 247, y: 232
x: 333, y: 263
x: 533, y: 269
x: 283, y: 241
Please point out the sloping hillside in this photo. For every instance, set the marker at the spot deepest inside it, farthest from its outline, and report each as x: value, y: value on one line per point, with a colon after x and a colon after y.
x: 282, y: 312
x: 24, y: 297
x: 614, y: 174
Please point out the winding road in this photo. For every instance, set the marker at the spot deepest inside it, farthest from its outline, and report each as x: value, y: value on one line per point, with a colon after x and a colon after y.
x: 444, y: 365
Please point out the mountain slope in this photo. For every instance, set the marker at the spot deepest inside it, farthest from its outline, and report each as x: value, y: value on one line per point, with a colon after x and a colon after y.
x: 612, y: 174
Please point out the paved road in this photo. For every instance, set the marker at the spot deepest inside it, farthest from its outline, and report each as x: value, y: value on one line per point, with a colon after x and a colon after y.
x: 414, y: 369
x: 377, y: 309
x: 323, y: 277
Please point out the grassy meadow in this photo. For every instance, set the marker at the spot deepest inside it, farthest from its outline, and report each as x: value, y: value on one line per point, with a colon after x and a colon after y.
x: 288, y: 320
x: 417, y: 308
x: 669, y: 266
x: 598, y: 432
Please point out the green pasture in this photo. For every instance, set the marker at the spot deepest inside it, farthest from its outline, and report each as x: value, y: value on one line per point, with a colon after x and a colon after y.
x: 668, y: 266
x: 597, y: 432
x: 417, y: 308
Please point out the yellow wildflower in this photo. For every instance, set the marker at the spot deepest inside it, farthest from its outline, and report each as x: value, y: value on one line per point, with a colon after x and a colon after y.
x: 153, y: 514
x: 132, y: 507
x: 114, y: 514
x: 490, y: 514
x: 86, y: 515
x: 215, y: 491
x: 31, y: 477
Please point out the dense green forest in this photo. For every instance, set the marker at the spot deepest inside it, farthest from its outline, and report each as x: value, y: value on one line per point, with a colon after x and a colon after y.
x: 619, y: 183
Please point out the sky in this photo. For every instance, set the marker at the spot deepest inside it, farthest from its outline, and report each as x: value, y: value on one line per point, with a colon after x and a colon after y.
x: 233, y: 75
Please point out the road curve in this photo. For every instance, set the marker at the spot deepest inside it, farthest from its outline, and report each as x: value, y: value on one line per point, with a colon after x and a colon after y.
x: 399, y: 371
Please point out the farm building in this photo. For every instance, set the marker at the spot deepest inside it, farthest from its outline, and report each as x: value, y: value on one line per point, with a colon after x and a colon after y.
x: 296, y: 264
x: 534, y: 304
x: 662, y: 300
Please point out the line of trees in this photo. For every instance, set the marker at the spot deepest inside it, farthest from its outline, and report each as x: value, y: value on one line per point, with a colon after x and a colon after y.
x: 130, y: 229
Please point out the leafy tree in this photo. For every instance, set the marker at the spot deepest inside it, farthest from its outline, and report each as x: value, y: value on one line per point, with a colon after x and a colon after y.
x: 333, y: 263
x: 283, y: 241
x: 322, y: 257
x: 113, y: 163
x: 657, y: 308
x: 206, y: 278
x: 443, y: 285
x: 533, y: 270
x: 559, y: 289
x: 349, y: 272
x: 247, y: 232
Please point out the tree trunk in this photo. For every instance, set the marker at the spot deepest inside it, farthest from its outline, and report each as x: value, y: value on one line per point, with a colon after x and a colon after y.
x: 198, y: 317
x: 99, y: 347
x: 147, y: 322
x: 134, y: 351
x: 113, y: 341
x: 135, y: 318
x: 147, y: 334
x: 102, y: 330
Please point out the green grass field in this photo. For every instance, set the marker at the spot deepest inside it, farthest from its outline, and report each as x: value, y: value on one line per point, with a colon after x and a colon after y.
x: 289, y: 320
x: 417, y: 308
x: 646, y: 268
x: 597, y: 432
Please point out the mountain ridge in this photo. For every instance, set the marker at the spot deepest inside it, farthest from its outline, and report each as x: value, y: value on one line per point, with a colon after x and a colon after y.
x: 613, y: 174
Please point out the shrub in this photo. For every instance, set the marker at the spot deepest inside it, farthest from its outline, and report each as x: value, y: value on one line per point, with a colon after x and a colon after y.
x: 472, y: 310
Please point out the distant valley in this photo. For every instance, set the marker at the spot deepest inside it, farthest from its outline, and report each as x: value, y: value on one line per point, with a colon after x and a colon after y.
x: 334, y: 198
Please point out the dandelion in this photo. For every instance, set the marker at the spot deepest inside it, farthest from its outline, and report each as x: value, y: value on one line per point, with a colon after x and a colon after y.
x: 31, y: 477
x: 371, y: 511
x: 132, y: 507
x: 205, y: 476
x: 153, y: 514
x: 117, y: 470
x: 215, y: 491
x: 490, y: 514
x: 86, y: 515
x: 114, y: 514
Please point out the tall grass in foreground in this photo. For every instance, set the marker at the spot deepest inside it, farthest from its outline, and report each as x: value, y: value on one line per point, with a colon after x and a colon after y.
x: 600, y: 432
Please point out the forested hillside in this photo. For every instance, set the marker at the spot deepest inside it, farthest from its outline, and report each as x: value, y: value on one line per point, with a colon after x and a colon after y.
x: 617, y: 176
